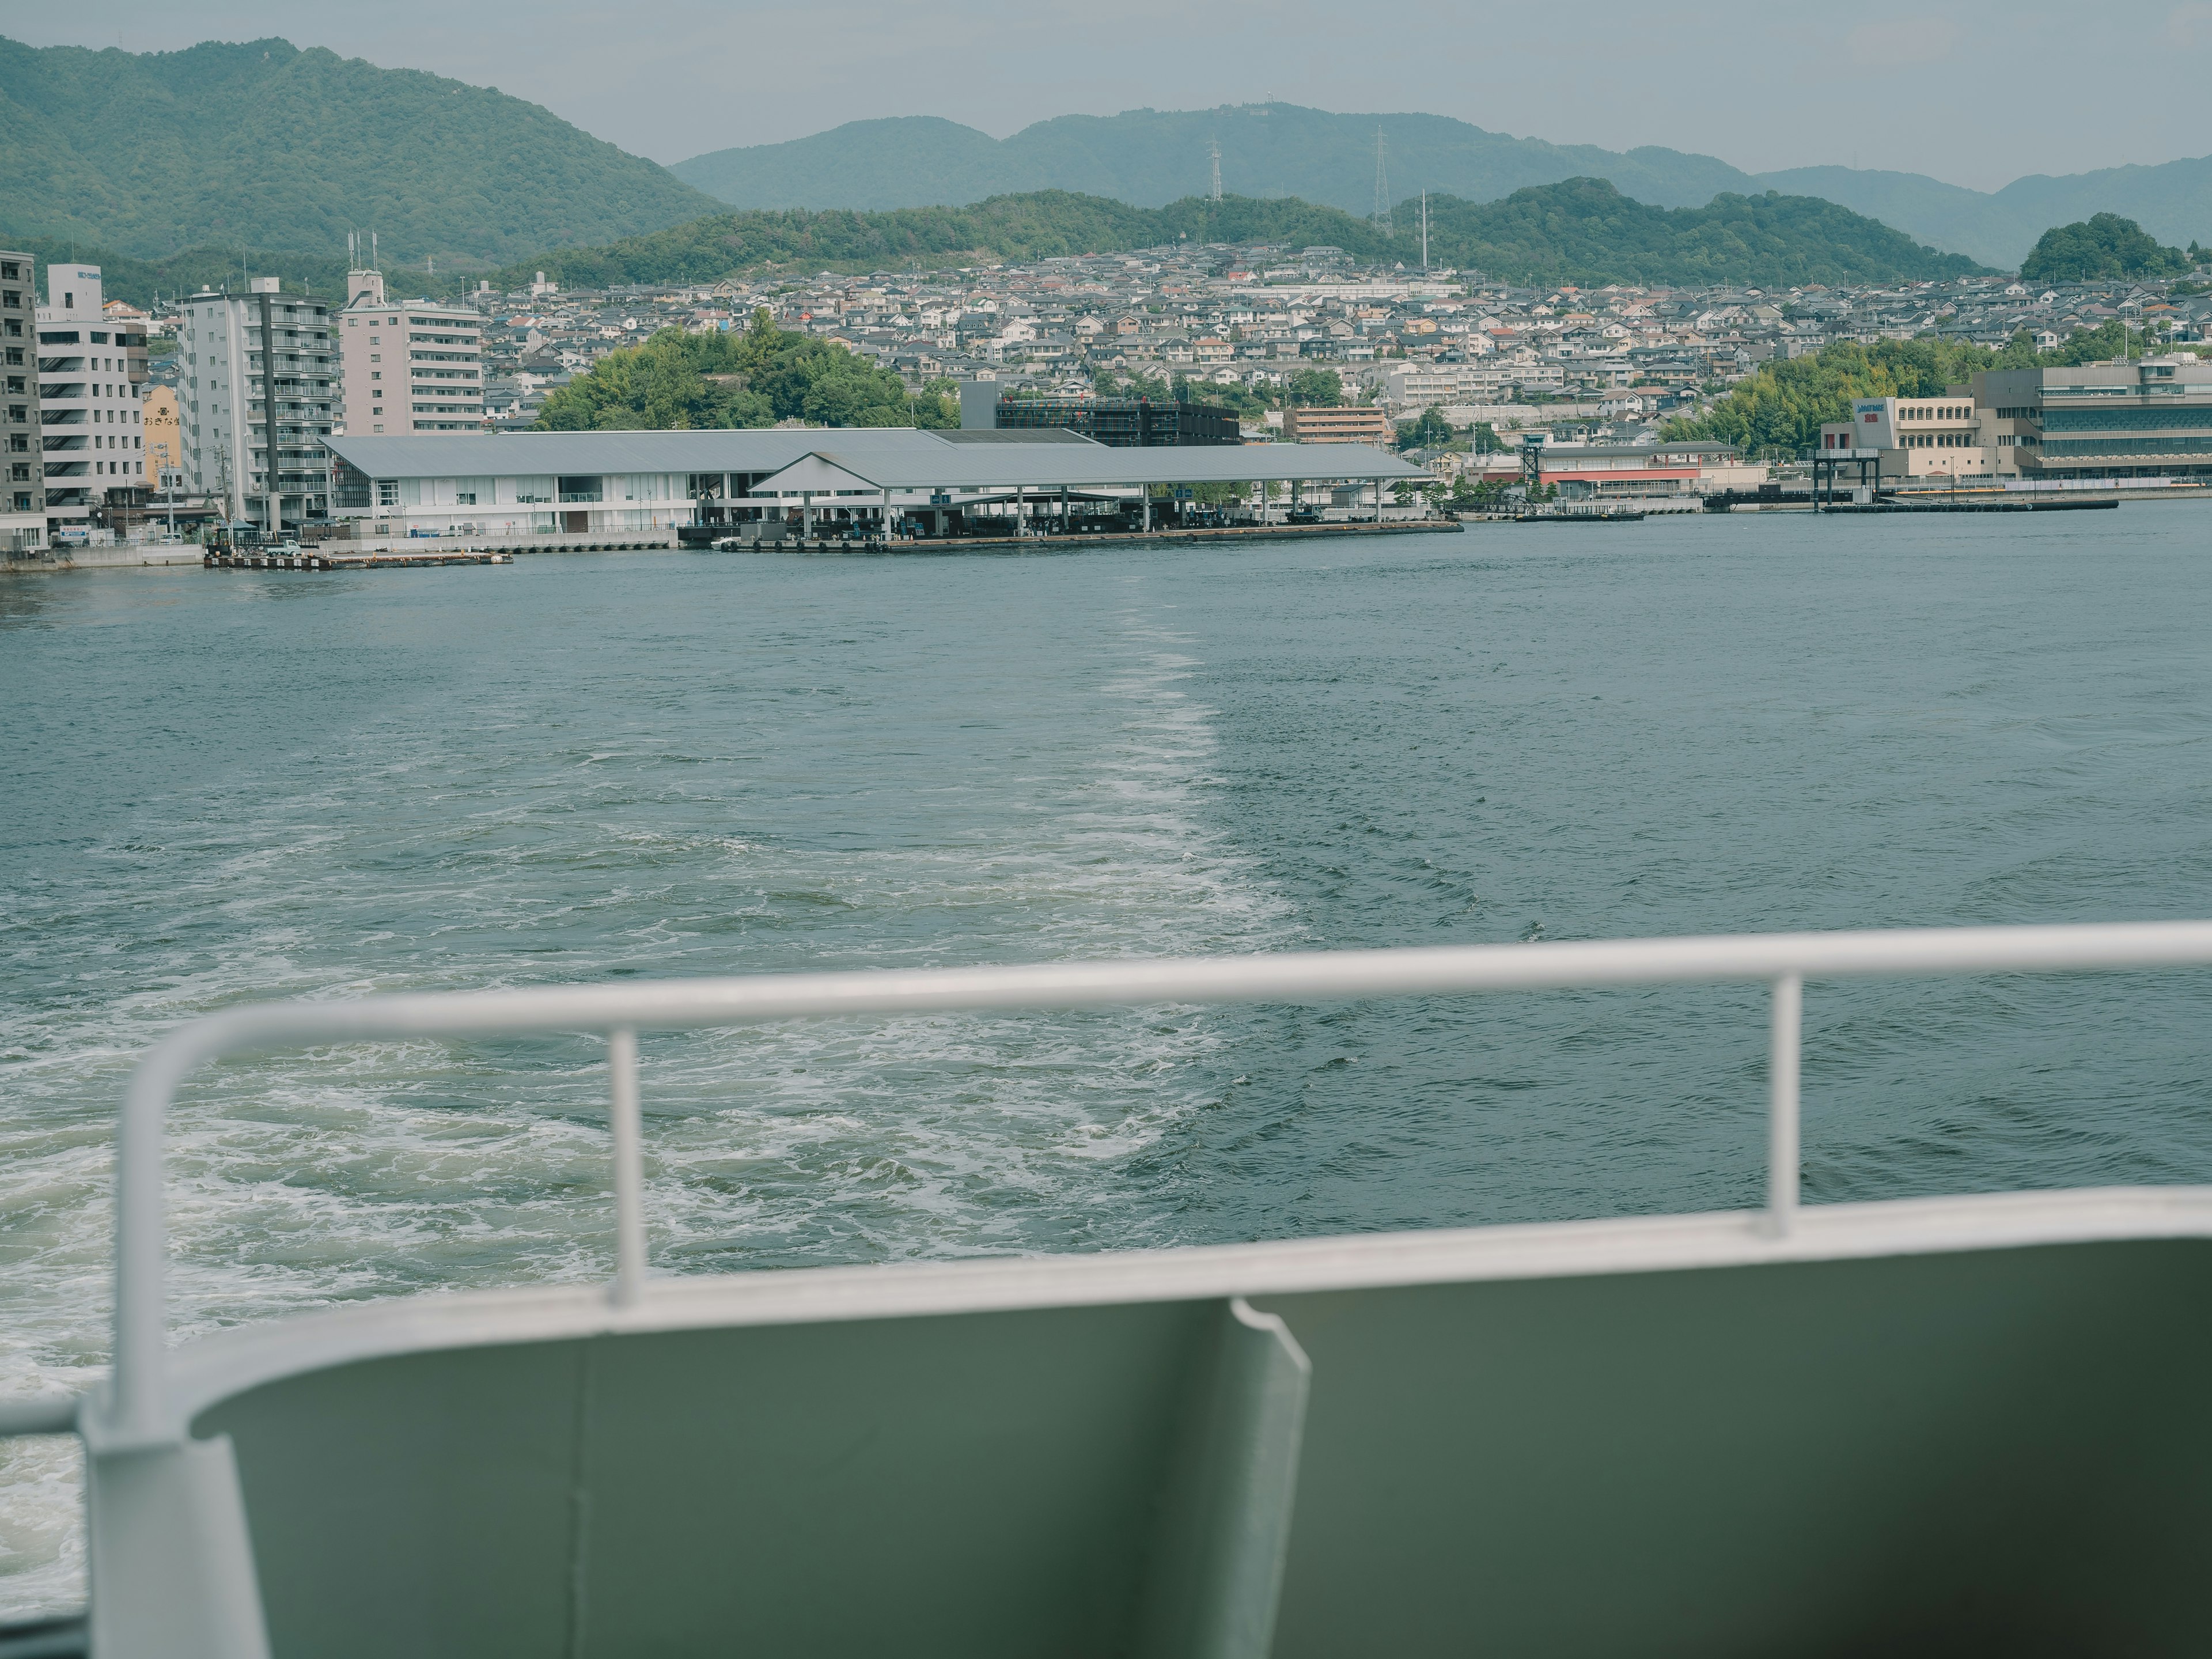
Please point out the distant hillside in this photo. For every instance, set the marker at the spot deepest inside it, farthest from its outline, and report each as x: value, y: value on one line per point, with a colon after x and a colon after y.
x: 1152, y: 157
x: 265, y: 147
x: 139, y: 281
x: 1580, y: 230
x: 2172, y: 201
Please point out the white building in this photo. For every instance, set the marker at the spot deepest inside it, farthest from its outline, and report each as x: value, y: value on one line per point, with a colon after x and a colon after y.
x: 599, y: 483
x: 409, y: 366
x: 1934, y: 437
x: 1417, y: 384
x: 240, y: 355
x: 89, y: 370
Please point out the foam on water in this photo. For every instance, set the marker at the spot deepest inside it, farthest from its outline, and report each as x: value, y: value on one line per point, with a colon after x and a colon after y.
x: 301, y: 1181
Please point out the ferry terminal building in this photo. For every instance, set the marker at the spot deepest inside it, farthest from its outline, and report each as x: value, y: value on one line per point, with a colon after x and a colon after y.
x: 876, y: 479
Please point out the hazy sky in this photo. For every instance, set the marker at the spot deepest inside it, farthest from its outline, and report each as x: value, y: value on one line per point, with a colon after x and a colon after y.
x: 1975, y: 93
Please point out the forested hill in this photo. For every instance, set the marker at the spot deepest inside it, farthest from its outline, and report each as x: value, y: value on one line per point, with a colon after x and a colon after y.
x: 1585, y: 230
x: 264, y: 148
x: 1580, y: 230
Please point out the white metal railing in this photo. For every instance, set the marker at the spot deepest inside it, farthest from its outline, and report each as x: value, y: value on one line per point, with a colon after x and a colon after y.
x: 136, y: 1409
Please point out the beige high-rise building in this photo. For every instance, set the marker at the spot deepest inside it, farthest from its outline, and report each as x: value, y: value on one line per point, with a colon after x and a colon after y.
x: 409, y: 366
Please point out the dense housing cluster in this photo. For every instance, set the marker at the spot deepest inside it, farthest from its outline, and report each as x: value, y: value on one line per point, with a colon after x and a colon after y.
x: 1299, y: 344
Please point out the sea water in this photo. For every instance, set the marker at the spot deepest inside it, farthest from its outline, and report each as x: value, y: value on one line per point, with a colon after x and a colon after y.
x: 225, y: 785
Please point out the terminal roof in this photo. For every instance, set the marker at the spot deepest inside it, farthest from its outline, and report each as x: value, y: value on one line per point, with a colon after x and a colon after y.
x: 886, y: 458
x: 833, y: 464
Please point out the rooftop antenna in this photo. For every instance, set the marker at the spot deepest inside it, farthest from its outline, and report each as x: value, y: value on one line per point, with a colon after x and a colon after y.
x: 1214, y: 148
x: 1382, y: 215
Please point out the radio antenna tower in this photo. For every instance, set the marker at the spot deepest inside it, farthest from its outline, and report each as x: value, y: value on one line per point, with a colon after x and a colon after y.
x: 1381, y: 190
x: 1213, y: 149
x: 1425, y: 229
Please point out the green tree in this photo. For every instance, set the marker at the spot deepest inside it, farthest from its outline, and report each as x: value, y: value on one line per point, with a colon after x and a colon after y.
x: 1430, y: 431
x: 1468, y: 491
x: 754, y: 378
x: 1313, y: 388
x: 938, y: 405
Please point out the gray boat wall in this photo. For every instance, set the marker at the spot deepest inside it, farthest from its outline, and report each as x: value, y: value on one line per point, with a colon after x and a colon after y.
x: 1967, y: 1450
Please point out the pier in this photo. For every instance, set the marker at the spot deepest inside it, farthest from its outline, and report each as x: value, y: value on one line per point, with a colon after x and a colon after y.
x: 304, y: 561
x: 1207, y: 534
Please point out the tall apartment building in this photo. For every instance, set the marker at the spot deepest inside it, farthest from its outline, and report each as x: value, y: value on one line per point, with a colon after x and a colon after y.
x: 244, y: 359
x: 23, y: 487
x: 89, y: 370
x: 409, y: 366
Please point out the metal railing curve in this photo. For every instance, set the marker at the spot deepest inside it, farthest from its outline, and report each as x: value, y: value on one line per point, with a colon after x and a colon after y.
x: 135, y: 1410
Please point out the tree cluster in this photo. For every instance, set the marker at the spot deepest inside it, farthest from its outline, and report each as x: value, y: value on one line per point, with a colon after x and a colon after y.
x: 751, y: 378
x: 1430, y: 431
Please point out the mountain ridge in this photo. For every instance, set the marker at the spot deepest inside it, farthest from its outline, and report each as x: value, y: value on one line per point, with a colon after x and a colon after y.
x: 1579, y: 230
x: 1151, y: 157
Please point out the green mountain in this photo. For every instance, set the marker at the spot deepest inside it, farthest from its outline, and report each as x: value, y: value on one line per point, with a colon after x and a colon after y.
x: 262, y: 148
x: 1152, y: 157
x: 1580, y: 230
x: 2103, y: 246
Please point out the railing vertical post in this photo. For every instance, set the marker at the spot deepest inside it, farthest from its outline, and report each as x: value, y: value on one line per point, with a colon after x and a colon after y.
x: 630, y: 1168
x: 1784, y: 1041
x: 142, y: 1256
